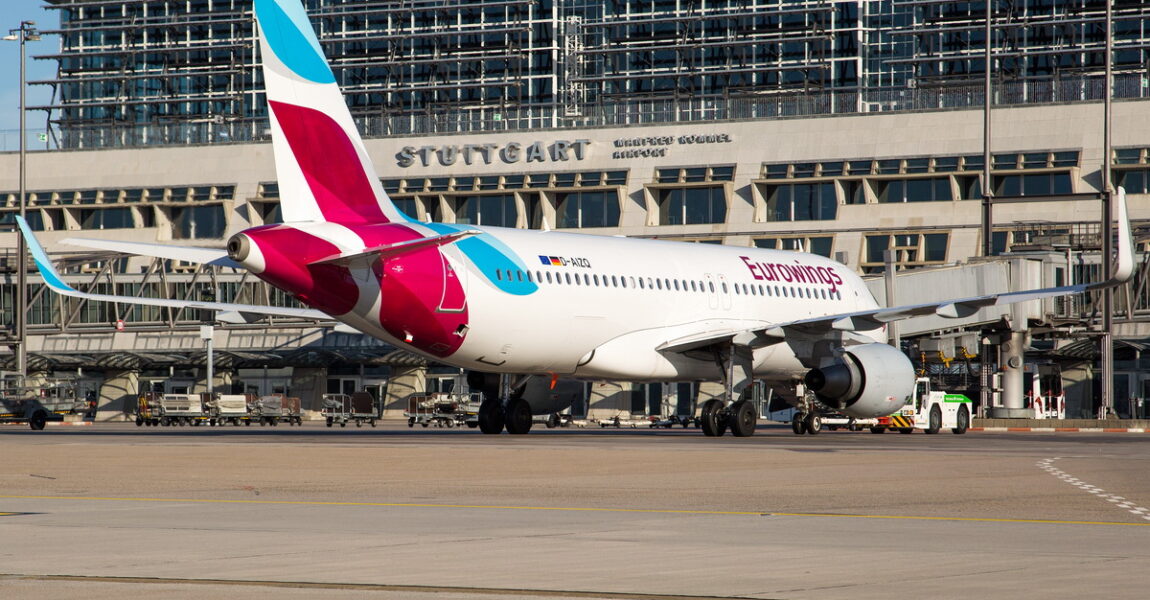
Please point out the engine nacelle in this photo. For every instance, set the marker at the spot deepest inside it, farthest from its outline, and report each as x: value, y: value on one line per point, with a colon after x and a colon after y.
x: 867, y: 381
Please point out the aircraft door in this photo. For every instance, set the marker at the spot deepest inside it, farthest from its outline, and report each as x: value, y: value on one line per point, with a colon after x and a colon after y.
x: 725, y: 292
x: 712, y: 291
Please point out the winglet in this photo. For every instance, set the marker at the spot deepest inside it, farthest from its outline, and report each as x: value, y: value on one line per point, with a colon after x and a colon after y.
x: 1124, y: 261
x: 51, y: 277
x: 1124, y: 269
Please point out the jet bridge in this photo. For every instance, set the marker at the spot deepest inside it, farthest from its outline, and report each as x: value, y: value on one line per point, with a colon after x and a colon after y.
x: 1006, y: 274
x: 1011, y: 324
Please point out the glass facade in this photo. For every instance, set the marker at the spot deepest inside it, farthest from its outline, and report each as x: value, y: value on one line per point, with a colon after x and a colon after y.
x: 143, y: 72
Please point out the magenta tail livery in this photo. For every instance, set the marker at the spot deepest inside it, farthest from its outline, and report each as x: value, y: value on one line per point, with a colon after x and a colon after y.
x: 509, y: 304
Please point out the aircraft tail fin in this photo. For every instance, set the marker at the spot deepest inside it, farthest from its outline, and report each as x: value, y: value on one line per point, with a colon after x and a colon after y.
x: 323, y: 168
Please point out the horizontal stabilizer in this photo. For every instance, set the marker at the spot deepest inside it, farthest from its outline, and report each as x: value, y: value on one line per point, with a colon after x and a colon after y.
x: 391, y: 250
x: 53, y: 280
x: 207, y: 256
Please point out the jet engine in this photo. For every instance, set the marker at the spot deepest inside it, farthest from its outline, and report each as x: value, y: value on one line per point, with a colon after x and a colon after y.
x: 865, y: 381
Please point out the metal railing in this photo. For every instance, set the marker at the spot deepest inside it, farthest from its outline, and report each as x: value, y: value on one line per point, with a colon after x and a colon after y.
x: 621, y: 112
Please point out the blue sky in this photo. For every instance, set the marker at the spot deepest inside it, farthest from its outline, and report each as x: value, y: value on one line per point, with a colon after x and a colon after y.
x: 12, y: 12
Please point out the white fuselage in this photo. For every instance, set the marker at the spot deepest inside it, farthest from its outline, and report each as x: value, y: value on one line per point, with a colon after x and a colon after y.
x: 601, y: 306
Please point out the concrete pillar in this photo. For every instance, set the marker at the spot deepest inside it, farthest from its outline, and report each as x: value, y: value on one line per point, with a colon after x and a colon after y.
x: 403, y: 383
x: 309, y: 385
x: 1012, y: 363
x: 609, y: 399
x: 708, y: 390
x: 118, y: 394
x: 221, y: 381
x: 1077, y: 384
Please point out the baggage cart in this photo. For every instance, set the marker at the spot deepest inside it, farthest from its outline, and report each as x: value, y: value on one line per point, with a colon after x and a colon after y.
x: 336, y: 409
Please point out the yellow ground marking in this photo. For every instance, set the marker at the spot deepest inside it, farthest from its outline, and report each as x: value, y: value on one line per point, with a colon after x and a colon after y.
x: 657, y: 511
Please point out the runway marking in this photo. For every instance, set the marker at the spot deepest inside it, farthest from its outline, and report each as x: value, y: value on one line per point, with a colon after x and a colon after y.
x: 369, y: 587
x: 1047, y: 464
x: 655, y: 511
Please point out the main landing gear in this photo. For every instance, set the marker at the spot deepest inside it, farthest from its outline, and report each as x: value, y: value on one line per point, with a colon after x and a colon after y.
x: 717, y: 416
x: 505, y: 411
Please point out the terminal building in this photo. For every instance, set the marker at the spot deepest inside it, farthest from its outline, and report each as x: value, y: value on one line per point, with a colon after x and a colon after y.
x: 848, y: 129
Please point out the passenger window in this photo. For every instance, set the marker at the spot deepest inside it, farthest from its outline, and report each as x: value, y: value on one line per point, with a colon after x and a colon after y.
x: 567, y: 276
x: 518, y: 275
x: 498, y: 275
x: 614, y: 281
x: 548, y: 276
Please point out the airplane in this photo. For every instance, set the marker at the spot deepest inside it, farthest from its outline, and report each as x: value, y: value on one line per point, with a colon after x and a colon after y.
x: 511, y: 304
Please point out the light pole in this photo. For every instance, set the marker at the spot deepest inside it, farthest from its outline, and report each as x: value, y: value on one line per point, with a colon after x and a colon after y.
x: 25, y: 33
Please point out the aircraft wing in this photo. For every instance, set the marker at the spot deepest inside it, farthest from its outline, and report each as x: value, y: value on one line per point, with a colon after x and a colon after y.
x: 868, y: 320
x: 211, y: 256
x: 229, y: 310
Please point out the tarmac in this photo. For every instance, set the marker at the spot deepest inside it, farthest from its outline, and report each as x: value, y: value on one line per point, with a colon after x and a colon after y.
x: 116, y: 511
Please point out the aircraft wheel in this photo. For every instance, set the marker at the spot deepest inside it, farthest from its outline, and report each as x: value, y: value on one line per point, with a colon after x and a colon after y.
x: 713, y: 420
x: 935, y: 423
x: 491, y: 418
x: 962, y: 421
x: 797, y: 425
x: 519, y: 417
x: 813, y: 423
x: 742, y: 419
x: 139, y: 421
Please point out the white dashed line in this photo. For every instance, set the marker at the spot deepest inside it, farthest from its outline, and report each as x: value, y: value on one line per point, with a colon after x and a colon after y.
x: 1047, y: 464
